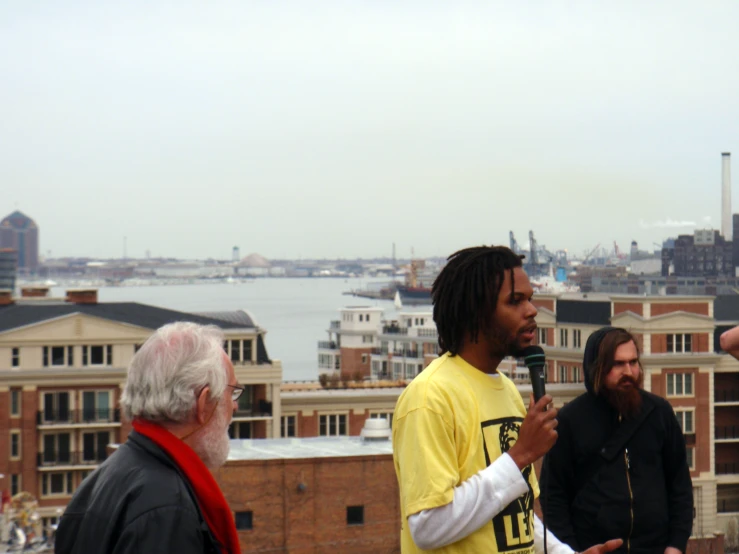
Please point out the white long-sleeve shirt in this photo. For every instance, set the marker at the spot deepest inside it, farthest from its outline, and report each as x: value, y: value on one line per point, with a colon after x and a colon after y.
x: 476, y: 501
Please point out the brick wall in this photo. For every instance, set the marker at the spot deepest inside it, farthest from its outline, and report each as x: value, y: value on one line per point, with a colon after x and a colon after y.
x: 659, y: 343
x: 351, y: 361
x: 621, y: 307
x: 700, y: 342
x: 313, y: 520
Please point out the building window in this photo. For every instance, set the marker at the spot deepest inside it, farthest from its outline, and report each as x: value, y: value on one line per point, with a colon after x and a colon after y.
x: 332, y: 425
x: 576, y: 377
x: 58, y: 356
x: 15, y: 359
x: 56, y: 406
x: 239, y: 351
x: 562, y: 374
x: 240, y: 430
x: 57, y: 448
x: 244, y: 521
x: 289, y: 426
x: 245, y: 404
x: 690, y: 457
x: 96, y: 406
x: 679, y: 343
x: 325, y: 361
x: 679, y: 384
x: 383, y: 415
x: 397, y: 370
x: 563, y: 338
x: 367, y: 339
x: 15, y: 484
x: 94, y: 446
x: 57, y: 483
x: 685, y: 419
x: 97, y: 354
x: 541, y: 336
x: 364, y: 359
x: 355, y: 515
x: 576, y: 338
x: 15, y: 444
x: 15, y: 403
x: 727, y: 498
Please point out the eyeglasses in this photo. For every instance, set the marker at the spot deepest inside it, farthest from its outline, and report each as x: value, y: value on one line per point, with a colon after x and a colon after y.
x: 237, y: 392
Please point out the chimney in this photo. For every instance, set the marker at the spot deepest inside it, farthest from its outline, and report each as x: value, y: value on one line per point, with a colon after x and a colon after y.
x: 34, y: 292
x: 82, y: 296
x: 726, y: 229
x: 6, y: 297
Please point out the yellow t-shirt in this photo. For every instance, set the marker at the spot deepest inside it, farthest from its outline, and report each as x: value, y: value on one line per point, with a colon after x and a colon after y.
x: 451, y: 422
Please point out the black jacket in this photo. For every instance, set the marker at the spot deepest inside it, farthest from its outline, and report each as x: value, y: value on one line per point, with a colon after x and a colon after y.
x: 605, y: 479
x: 137, y: 501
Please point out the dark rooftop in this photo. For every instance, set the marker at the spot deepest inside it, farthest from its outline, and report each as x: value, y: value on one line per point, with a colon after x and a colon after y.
x: 14, y: 316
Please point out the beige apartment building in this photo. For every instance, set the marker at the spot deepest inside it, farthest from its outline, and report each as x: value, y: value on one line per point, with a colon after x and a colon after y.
x: 62, y: 365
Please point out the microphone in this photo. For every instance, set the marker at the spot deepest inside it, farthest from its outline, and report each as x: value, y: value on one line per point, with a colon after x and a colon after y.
x: 533, y: 357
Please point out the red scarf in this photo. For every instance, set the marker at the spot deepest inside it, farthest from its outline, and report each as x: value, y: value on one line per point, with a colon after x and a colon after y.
x: 213, y: 505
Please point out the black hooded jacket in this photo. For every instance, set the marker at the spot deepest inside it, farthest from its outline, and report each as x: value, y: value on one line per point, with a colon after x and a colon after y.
x: 606, y: 479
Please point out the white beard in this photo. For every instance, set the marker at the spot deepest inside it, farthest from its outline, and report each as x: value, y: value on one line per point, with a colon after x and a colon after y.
x: 214, y: 444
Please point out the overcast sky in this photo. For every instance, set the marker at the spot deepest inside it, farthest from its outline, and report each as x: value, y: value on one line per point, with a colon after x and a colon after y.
x: 333, y: 129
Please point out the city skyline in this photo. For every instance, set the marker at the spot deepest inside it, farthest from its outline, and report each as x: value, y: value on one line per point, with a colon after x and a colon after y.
x: 337, y: 130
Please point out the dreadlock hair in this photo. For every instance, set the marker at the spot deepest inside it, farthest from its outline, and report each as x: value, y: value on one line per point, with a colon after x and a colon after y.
x: 465, y: 293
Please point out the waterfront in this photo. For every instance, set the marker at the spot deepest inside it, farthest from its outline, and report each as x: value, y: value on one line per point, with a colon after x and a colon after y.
x: 295, y: 312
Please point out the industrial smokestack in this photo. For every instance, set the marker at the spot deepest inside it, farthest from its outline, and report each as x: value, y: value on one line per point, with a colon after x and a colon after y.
x: 726, y: 229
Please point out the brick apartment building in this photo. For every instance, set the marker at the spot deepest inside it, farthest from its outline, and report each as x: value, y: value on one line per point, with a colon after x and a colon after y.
x: 682, y: 361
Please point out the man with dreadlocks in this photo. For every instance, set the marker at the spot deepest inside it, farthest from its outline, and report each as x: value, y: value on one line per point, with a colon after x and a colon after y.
x: 463, y: 443
x: 619, y: 465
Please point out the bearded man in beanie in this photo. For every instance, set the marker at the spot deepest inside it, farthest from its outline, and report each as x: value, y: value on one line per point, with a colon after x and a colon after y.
x: 618, y: 468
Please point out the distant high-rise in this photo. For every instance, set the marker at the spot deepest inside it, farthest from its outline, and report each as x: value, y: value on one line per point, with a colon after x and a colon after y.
x: 235, y: 255
x: 726, y: 229
x: 20, y: 232
x: 7, y: 268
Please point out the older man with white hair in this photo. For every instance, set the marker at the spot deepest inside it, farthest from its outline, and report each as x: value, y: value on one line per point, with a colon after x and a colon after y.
x: 156, y: 493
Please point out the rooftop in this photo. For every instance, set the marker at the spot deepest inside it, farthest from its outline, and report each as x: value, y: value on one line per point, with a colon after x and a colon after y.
x: 304, y: 448
x: 19, y: 315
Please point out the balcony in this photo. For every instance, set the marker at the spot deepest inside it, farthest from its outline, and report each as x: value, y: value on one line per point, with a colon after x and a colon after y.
x: 327, y: 345
x: 727, y: 468
x: 394, y: 330
x: 57, y: 459
x: 727, y: 432
x: 262, y: 409
x: 379, y: 351
x: 726, y: 395
x: 74, y: 417
x: 335, y: 324
x: 407, y: 354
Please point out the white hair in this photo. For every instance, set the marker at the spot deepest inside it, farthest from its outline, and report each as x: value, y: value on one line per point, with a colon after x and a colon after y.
x: 165, y: 375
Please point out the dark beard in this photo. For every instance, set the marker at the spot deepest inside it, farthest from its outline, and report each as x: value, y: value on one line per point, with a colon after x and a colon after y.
x: 505, y: 346
x: 627, y: 402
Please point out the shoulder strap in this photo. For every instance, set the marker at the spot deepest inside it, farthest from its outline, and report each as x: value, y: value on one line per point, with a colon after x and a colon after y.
x: 614, y: 445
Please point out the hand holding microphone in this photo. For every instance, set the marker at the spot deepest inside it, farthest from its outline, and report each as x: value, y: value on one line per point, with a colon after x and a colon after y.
x: 537, y: 434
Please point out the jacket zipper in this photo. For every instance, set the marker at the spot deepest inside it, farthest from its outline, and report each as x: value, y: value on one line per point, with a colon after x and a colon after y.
x: 631, y: 498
